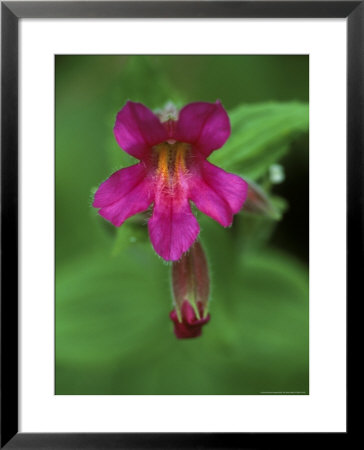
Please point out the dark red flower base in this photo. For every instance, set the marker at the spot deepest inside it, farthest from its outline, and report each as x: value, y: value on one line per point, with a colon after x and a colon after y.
x: 191, y: 326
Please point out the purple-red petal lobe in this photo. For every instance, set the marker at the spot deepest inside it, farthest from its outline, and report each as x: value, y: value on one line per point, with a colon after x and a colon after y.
x: 136, y: 201
x: 208, y: 201
x: 217, y: 193
x: 206, y: 125
x: 119, y: 184
x: 137, y: 129
x: 127, y: 192
x: 172, y: 228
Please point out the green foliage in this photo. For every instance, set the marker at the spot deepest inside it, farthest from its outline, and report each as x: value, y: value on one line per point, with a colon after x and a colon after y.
x: 261, y: 134
x: 114, y: 336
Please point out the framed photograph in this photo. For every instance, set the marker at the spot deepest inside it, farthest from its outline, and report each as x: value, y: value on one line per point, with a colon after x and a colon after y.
x: 181, y: 201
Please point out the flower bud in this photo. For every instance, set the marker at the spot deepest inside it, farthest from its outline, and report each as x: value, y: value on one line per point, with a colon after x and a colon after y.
x: 257, y: 202
x: 190, y: 283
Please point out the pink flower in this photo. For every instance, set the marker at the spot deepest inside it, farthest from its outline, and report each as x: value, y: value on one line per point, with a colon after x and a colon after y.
x: 172, y: 171
x: 189, y: 326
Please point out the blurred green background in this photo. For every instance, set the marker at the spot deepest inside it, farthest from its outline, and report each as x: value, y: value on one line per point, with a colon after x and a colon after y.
x: 113, y: 295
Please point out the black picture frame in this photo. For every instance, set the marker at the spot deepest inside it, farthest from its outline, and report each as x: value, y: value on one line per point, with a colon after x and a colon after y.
x: 11, y: 12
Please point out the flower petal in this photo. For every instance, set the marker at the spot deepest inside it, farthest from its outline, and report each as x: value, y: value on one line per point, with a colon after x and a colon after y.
x: 137, y: 129
x: 217, y: 193
x: 206, y: 125
x: 173, y: 228
x: 210, y: 202
x: 125, y: 193
x: 118, y: 185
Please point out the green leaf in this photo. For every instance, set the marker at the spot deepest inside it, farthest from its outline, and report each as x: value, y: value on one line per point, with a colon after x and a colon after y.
x: 132, y: 232
x: 144, y: 80
x: 106, y: 305
x: 261, y: 134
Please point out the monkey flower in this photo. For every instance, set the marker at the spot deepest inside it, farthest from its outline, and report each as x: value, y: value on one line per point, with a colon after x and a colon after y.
x: 172, y: 171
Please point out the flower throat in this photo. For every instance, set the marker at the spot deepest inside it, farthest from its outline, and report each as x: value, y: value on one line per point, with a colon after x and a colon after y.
x: 171, y: 160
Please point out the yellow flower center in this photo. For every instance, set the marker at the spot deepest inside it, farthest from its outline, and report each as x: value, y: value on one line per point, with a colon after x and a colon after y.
x: 171, y: 161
